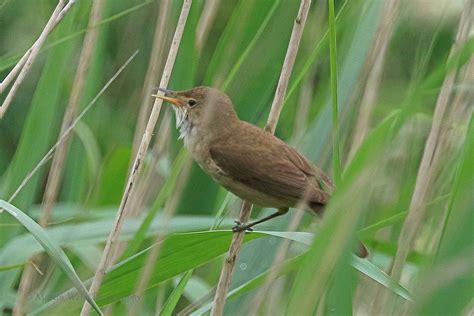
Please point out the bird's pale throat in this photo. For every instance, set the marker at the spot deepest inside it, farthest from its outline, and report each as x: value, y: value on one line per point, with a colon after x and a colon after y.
x: 183, y: 123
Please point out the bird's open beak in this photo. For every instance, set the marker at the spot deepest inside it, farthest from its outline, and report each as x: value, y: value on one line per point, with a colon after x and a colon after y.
x: 169, y: 96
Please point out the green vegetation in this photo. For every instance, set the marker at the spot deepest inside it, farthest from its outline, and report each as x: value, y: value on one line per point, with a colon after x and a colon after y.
x: 364, y: 100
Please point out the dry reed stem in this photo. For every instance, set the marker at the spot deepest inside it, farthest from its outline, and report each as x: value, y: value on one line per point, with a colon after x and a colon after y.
x: 14, y: 72
x: 56, y: 170
x: 280, y: 255
x: 109, y: 249
x: 23, y: 66
x: 154, y: 66
x: 160, y: 300
x: 147, y: 185
x: 304, y: 104
x: 459, y: 114
x: 144, y: 187
x: 279, y: 258
x: 451, y: 138
x: 416, y: 210
x: 306, y: 95
x: 205, y: 22
x: 169, y: 211
x: 236, y: 243
x: 48, y: 155
x: 290, y: 58
x: 209, y: 13
x: 375, y: 63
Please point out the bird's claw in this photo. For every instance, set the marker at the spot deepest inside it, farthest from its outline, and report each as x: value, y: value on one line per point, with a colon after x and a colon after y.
x: 239, y: 227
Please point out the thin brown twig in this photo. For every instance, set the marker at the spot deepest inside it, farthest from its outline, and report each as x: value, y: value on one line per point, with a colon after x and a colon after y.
x: 56, y: 170
x: 23, y: 67
x: 416, y: 210
x: 229, y: 263
x: 109, y: 249
x: 375, y: 63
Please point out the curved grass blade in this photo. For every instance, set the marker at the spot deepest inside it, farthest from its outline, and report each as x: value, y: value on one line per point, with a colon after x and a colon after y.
x: 362, y: 265
x: 372, y: 228
x: 53, y: 250
x: 250, y: 46
x: 173, y: 299
x: 375, y: 273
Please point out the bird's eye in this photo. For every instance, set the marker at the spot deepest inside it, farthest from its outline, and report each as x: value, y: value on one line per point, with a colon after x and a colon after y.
x: 192, y: 102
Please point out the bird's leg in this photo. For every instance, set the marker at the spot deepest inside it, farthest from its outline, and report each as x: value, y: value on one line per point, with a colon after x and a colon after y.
x: 248, y: 227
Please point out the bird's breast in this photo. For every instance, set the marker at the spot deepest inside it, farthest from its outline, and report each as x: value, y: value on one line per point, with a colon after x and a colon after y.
x: 199, y: 151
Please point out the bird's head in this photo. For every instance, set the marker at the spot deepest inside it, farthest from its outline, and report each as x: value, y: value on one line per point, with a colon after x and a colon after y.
x: 204, y: 109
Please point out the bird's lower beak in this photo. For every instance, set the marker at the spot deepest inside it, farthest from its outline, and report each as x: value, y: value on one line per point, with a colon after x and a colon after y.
x: 169, y: 96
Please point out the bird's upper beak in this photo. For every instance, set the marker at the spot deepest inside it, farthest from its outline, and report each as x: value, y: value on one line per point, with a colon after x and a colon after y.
x: 169, y: 96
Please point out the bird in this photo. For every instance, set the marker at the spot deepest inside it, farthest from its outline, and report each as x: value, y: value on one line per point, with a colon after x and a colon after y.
x: 248, y: 161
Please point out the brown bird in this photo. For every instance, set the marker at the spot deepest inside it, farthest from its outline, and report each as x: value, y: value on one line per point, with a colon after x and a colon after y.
x: 248, y: 161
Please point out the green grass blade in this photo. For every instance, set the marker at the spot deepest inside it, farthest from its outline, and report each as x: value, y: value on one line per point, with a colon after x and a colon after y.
x: 178, y: 253
x: 250, y: 46
x: 54, y: 251
x: 371, y: 229
x: 174, y: 297
x: 13, y: 266
x: 22, y: 247
x: 353, y: 51
x: 157, y: 204
x: 362, y: 265
x: 375, y: 273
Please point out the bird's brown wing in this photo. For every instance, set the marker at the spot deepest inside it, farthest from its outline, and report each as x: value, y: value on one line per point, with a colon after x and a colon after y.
x: 267, y: 164
x: 307, y: 167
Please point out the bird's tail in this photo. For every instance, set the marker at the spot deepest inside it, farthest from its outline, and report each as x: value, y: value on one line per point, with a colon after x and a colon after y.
x: 318, y: 209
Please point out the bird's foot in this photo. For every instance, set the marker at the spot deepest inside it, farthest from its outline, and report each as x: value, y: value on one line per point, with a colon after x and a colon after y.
x: 239, y: 227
